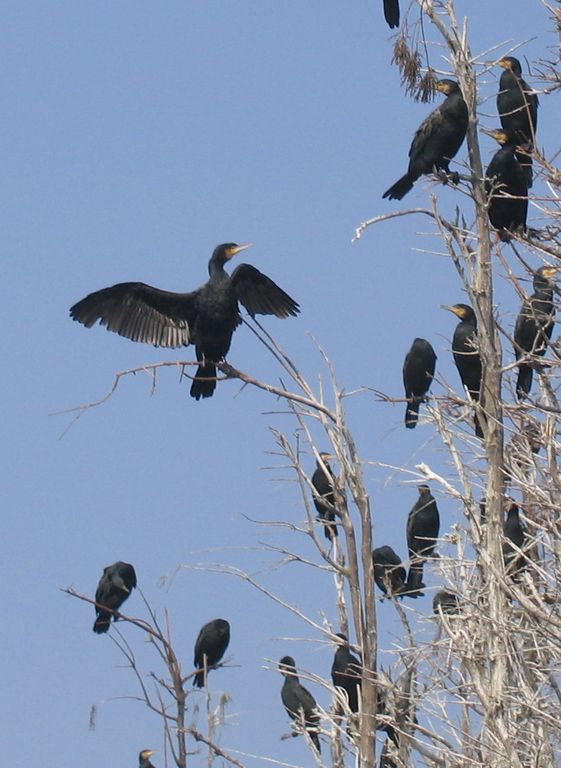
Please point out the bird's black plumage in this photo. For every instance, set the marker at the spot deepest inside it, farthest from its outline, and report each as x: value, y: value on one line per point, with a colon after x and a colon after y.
x: 298, y: 701
x: 210, y: 646
x: 144, y: 758
x: 507, y: 187
x: 206, y: 317
x: 447, y: 602
x: 437, y: 140
x: 324, y: 496
x: 517, y: 104
x: 514, y: 534
x: 113, y: 589
x: 391, y: 13
x: 418, y: 373
x: 534, y: 326
x: 346, y: 672
x: 466, y: 354
x: 423, y: 526
x: 389, y: 573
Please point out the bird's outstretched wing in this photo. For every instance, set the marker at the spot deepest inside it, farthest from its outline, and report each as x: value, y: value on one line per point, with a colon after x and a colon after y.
x: 140, y: 313
x: 260, y: 295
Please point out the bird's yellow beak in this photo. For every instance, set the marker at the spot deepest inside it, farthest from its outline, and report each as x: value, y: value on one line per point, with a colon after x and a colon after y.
x: 240, y: 248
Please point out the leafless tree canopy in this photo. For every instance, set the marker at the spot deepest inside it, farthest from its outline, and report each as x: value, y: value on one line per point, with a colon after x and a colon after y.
x: 477, y: 684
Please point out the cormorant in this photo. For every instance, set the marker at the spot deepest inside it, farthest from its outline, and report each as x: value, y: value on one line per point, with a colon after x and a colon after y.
x: 298, y: 701
x: 534, y: 326
x: 206, y: 317
x: 423, y: 526
x: 437, y: 140
x: 324, y: 497
x: 346, y: 672
x: 211, y: 644
x: 514, y: 533
x: 466, y: 354
x: 389, y: 573
x: 517, y: 106
x: 144, y: 758
x: 391, y: 13
x: 507, y: 187
x: 418, y: 373
x: 113, y: 589
x: 447, y: 602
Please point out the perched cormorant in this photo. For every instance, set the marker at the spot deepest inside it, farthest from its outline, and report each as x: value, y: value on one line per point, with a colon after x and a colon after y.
x: 389, y: 573
x: 391, y: 13
x: 423, y: 526
x: 418, y: 373
x: 437, y: 140
x: 466, y: 353
x: 211, y: 644
x: 113, y: 589
x: 517, y: 106
x: 534, y: 326
x: 346, y: 672
x: 144, y: 758
x: 324, y: 497
x: 447, y: 602
x: 298, y: 701
x: 507, y: 186
x: 514, y: 533
x: 206, y: 317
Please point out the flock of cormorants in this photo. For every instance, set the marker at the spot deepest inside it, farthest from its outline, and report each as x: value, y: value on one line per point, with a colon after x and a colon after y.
x: 208, y: 316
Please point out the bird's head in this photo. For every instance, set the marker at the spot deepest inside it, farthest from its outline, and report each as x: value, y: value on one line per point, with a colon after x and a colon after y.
x: 447, y: 86
x: 287, y: 666
x: 226, y: 251
x: 500, y: 135
x: 463, y: 311
x: 145, y: 755
x: 547, y: 272
x: 509, y: 62
x: 423, y: 489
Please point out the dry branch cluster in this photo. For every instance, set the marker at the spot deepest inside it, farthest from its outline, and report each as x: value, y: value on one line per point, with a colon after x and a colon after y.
x: 478, y: 685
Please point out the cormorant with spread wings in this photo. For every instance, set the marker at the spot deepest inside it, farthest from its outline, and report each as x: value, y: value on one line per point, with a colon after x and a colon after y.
x: 206, y: 317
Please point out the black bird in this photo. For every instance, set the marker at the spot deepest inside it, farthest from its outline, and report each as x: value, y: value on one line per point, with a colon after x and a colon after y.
x: 389, y: 573
x: 391, y: 13
x: 298, y: 701
x: 514, y: 533
x: 418, y: 373
x: 437, y: 140
x: 466, y: 353
x: 423, y: 526
x: 447, y: 602
x: 507, y: 187
x: 113, y: 589
x: 534, y: 326
x: 517, y: 106
x: 211, y: 644
x: 324, y: 497
x: 206, y: 317
x: 144, y: 758
x: 346, y: 672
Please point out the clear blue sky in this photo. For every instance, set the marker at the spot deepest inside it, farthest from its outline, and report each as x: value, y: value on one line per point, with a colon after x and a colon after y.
x: 136, y: 136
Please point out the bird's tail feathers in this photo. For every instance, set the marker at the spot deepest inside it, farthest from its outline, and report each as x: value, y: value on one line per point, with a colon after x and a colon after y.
x: 204, y: 383
x: 400, y: 188
x: 412, y: 414
x: 101, y: 624
x: 524, y: 382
